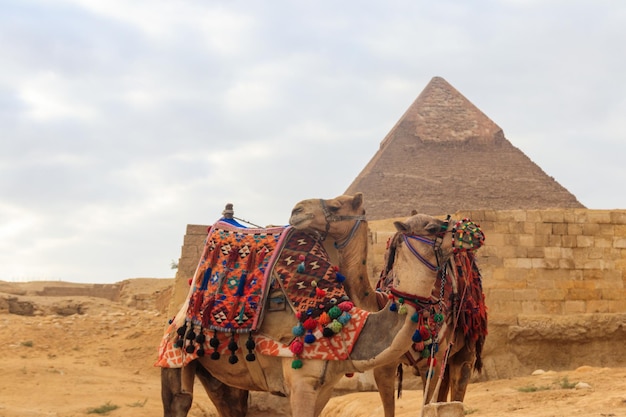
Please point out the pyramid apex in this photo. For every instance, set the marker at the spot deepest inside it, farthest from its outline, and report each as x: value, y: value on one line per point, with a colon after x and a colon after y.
x: 442, y: 114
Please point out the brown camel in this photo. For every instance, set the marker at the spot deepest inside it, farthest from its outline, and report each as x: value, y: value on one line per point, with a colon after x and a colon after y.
x: 343, y: 219
x: 310, y: 386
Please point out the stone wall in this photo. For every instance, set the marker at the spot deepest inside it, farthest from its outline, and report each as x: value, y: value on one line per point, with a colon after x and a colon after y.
x: 554, y: 281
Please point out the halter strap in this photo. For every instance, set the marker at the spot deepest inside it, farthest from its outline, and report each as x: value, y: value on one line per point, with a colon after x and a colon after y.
x: 331, y: 218
x: 422, y: 239
x: 414, y: 300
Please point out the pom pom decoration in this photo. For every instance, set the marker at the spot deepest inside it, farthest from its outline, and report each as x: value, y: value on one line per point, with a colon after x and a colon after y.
x: 319, y: 292
x: 310, y: 324
x: 324, y: 319
x: 309, y: 338
x: 298, y: 330
x: 296, y: 364
x: 200, y: 352
x: 334, y: 312
x: 232, y: 346
x: 296, y: 347
x: 328, y: 332
x: 415, y: 317
x: 438, y: 318
x: 417, y: 337
x: 335, y: 326
x: 214, y: 342
x: 250, y: 345
x: 346, y: 305
x: 190, y: 349
x: 344, y: 318
x: 402, y: 310
x: 339, y: 277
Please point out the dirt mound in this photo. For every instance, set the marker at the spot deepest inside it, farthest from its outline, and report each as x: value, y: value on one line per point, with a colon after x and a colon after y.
x: 74, y: 355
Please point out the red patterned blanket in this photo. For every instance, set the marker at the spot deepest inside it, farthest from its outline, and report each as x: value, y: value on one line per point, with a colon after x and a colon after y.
x: 229, y: 296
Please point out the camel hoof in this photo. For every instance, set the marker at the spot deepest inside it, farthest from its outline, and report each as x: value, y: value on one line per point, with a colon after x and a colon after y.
x: 451, y: 409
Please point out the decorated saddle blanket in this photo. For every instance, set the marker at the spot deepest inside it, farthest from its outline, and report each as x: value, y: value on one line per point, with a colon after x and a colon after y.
x: 229, y: 297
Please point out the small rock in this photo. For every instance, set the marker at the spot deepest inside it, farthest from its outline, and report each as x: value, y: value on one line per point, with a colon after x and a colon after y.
x: 582, y: 385
x: 538, y: 372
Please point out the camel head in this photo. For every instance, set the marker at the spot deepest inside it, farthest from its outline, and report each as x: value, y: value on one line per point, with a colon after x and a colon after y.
x: 421, y: 248
x: 335, y: 217
x: 418, y: 251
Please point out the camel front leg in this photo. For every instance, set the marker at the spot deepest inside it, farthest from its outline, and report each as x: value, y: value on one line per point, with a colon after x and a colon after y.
x: 385, y: 377
x: 461, y: 365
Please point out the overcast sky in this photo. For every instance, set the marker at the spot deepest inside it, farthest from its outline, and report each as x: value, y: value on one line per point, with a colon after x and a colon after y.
x: 123, y: 121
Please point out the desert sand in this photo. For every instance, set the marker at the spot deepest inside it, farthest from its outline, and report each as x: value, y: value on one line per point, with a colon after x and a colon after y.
x: 78, y: 355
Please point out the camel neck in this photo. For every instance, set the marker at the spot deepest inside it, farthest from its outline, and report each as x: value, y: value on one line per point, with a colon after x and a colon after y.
x: 353, y: 264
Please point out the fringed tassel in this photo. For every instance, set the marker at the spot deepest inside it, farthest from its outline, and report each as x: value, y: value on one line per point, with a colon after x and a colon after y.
x: 250, y: 345
x: 232, y: 346
x: 215, y: 344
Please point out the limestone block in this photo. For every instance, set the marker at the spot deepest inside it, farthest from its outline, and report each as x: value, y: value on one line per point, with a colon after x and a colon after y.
x: 451, y: 409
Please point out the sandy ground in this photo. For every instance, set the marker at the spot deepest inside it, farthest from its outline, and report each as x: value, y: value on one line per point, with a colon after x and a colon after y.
x: 83, y: 364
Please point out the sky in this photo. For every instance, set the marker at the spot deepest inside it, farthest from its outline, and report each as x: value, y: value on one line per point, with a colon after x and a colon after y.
x: 122, y: 121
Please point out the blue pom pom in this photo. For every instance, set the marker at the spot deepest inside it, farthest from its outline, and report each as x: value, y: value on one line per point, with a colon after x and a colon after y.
x: 340, y: 277
x: 344, y: 318
x: 417, y: 337
x: 298, y: 330
x: 415, y: 317
x: 393, y: 307
x: 309, y: 338
x: 300, y: 267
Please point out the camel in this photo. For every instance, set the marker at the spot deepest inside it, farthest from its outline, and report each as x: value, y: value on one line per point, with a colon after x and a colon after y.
x: 309, y: 385
x: 343, y: 219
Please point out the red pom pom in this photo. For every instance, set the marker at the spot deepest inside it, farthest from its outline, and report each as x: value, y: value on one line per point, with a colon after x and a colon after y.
x: 310, y: 324
x: 346, y: 305
x: 319, y: 292
x: 190, y: 281
x: 301, y: 257
x: 296, y: 347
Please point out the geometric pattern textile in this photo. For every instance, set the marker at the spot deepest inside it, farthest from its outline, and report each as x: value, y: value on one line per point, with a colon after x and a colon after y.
x: 238, y: 268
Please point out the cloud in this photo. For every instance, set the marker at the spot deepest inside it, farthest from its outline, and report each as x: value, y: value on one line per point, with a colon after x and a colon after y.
x: 124, y: 122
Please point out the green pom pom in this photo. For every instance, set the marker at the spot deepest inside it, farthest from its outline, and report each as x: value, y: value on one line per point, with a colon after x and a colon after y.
x: 296, y: 364
x: 402, y: 309
x: 335, y: 326
x: 334, y: 312
x: 438, y: 318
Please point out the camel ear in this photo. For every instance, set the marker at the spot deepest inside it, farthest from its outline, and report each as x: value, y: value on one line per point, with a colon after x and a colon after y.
x: 401, y: 226
x: 357, y: 201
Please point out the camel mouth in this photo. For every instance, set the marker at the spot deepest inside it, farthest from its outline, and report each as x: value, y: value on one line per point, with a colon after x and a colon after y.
x: 300, y: 222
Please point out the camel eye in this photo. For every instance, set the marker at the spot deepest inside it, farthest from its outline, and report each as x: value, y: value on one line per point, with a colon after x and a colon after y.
x: 433, y: 228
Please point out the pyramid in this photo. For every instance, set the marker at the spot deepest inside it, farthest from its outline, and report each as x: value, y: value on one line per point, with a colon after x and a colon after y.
x: 444, y: 155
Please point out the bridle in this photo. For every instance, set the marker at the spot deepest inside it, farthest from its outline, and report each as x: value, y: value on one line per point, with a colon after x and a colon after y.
x: 331, y: 218
x: 440, y: 268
